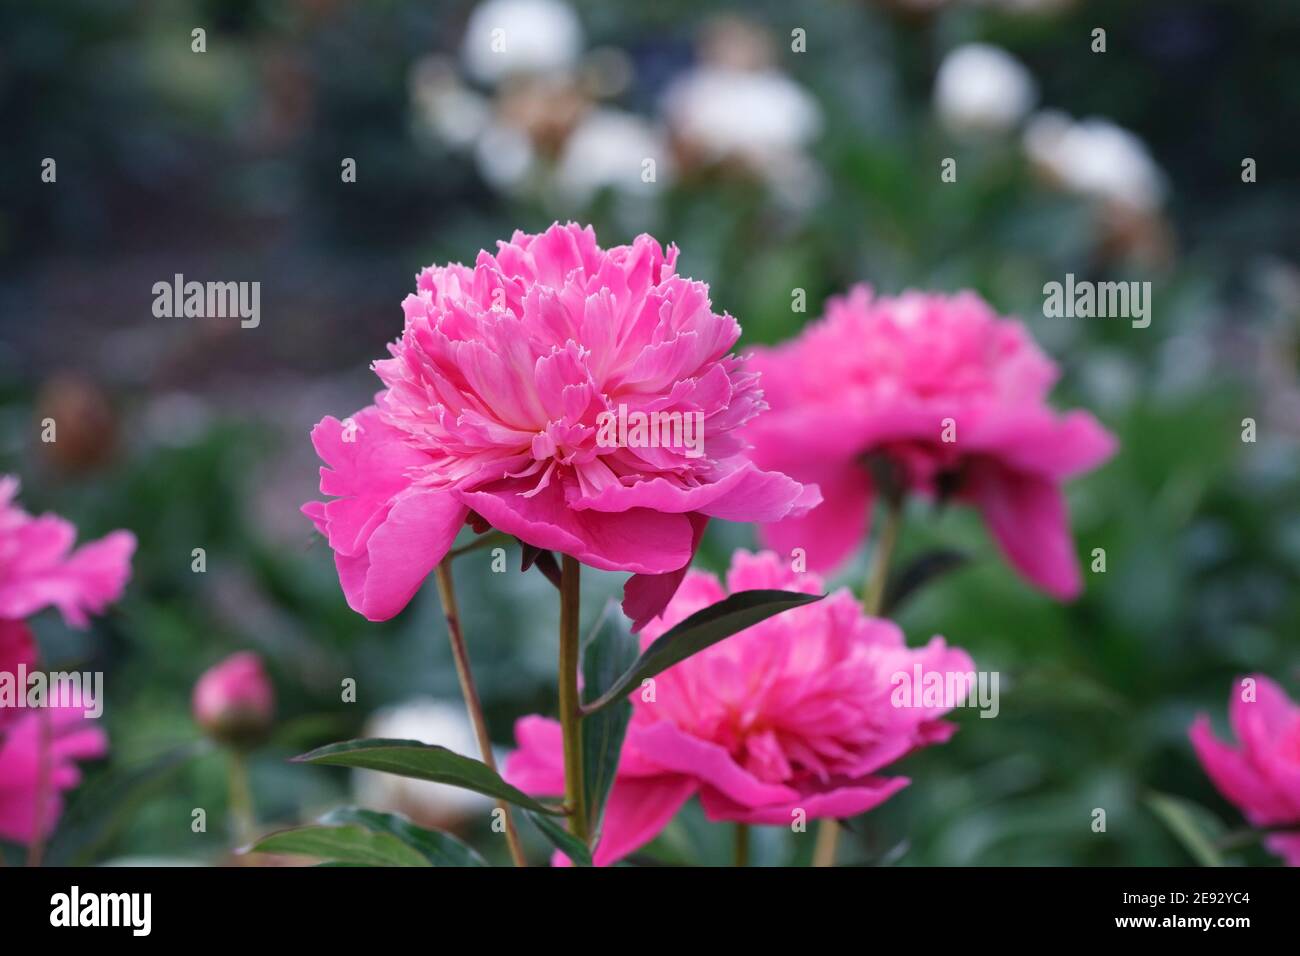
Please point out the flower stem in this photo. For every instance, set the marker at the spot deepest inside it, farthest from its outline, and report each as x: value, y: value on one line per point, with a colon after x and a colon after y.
x: 570, y: 706
x: 873, y: 599
x: 450, y: 611
x: 44, y: 786
x: 241, y: 799
x: 742, y: 844
x: 873, y: 592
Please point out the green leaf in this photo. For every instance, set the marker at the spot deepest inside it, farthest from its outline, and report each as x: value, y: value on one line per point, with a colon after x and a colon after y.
x: 701, y: 630
x: 440, y: 849
x: 608, y: 652
x: 919, y: 572
x: 562, y: 839
x: 1189, y: 822
x: 410, y: 758
x: 354, y: 845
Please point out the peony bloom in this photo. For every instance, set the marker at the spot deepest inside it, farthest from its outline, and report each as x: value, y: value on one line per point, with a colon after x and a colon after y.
x: 492, y: 412
x: 39, y: 567
x: 234, y: 700
x: 954, y: 397
x: 1263, y: 777
x: 38, y: 749
x: 795, y: 713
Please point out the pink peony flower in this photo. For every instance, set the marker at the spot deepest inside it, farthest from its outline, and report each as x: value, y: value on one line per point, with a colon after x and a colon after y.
x: 897, y: 376
x: 39, y: 568
x: 491, y: 413
x: 796, y: 712
x: 1262, y: 778
x: 234, y: 700
x: 37, y: 749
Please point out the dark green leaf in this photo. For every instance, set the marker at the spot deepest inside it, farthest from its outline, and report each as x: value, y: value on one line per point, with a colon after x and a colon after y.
x: 609, y: 651
x: 701, y: 630
x: 440, y: 849
x: 919, y: 572
x: 410, y: 758
x: 562, y: 839
x: 354, y: 845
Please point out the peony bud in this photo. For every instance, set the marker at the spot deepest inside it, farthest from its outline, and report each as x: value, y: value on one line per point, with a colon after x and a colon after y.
x: 234, y: 701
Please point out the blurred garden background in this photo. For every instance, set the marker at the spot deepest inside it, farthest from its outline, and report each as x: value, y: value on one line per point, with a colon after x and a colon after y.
x: 795, y: 147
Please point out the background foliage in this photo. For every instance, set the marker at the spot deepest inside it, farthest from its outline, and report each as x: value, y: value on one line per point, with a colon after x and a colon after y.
x: 194, y: 433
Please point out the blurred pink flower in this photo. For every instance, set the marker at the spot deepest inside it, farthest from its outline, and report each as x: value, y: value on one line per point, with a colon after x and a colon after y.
x: 954, y: 397
x: 39, y: 568
x: 37, y: 749
x: 490, y: 409
x: 795, y: 713
x: 234, y: 700
x: 1262, y: 778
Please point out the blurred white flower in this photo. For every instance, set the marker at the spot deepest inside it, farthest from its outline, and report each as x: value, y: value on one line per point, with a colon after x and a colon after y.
x: 505, y: 156
x: 429, y: 721
x: 982, y: 89
x: 1095, y: 158
x: 608, y: 149
x: 508, y: 37
x: 445, y: 108
x: 746, y: 114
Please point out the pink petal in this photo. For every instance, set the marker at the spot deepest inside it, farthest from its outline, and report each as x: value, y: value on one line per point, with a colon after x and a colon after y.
x: 1027, y: 516
x: 678, y: 752
x: 837, y: 802
x: 638, y: 540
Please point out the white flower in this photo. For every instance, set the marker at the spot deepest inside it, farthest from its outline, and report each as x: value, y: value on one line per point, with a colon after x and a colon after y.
x: 983, y: 89
x: 608, y: 149
x: 508, y: 37
x: 429, y: 721
x: 1095, y: 158
x: 742, y: 113
x: 505, y: 156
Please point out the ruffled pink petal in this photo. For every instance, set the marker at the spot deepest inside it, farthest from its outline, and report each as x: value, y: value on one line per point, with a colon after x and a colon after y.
x: 1237, y: 780
x: 638, y: 809
x: 401, y: 552
x: 1285, y: 845
x: 638, y: 540
x: 82, y: 583
x: 646, y: 595
x: 537, y: 766
x: 1027, y: 516
x: 1269, y: 730
x: 675, y: 751
x: 830, y: 533
x: 838, y: 801
x: 32, y: 776
x: 743, y: 494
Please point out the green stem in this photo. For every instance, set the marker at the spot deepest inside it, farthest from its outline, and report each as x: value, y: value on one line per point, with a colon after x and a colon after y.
x: 742, y: 844
x: 570, y: 706
x: 44, y: 786
x: 459, y: 651
x: 873, y: 591
x: 873, y: 599
x: 241, y: 799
